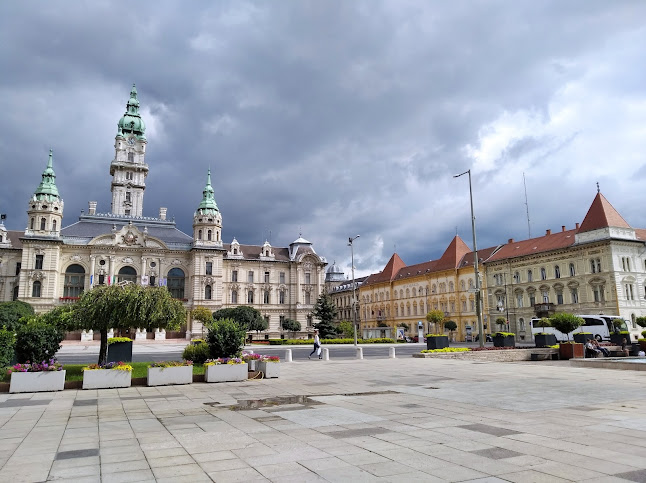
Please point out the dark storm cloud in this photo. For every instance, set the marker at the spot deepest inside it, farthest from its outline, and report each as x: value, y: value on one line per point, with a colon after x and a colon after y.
x: 328, y: 118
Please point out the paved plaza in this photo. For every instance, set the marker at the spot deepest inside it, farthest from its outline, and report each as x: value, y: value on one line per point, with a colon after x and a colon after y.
x: 396, y: 420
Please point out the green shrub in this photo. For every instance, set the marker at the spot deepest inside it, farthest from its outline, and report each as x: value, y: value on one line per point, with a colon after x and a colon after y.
x: 114, y: 340
x: 12, y: 312
x: 37, y: 341
x: 504, y: 334
x: 197, y: 353
x: 225, y: 338
x: 276, y: 341
x: 382, y: 340
x: 7, y: 347
x: 565, y: 323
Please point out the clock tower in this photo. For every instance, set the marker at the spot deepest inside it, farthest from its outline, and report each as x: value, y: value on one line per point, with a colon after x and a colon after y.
x: 128, y: 168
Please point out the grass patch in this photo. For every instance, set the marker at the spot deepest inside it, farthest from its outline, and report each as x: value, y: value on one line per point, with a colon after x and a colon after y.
x: 74, y: 372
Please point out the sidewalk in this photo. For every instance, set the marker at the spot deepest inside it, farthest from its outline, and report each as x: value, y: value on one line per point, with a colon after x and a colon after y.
x: 362, y: 420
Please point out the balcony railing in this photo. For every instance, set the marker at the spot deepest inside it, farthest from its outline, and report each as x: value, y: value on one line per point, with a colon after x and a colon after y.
x: 68, y: 300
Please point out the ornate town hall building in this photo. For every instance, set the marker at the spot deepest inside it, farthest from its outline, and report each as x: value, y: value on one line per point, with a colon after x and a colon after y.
x: 48, y: 264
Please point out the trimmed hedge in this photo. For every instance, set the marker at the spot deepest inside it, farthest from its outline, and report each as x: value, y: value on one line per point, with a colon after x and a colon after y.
x: 338, y: 341
x: 7, y: 346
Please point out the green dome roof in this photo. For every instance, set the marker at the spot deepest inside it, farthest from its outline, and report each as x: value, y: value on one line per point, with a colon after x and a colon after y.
x: 47, y: 190
x: 208, y: 204
x: 131, y: 121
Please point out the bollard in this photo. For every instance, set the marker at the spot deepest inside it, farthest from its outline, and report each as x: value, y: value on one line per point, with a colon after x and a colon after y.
x: 326, y: 354
x: 288, y: 355
x: 391, y: 353
x: 359, y: 352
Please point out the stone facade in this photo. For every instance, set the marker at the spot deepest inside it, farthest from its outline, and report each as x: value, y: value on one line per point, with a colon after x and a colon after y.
x: 48, y: 265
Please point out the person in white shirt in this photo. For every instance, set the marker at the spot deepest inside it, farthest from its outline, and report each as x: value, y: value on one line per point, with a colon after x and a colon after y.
x: 317, y: 344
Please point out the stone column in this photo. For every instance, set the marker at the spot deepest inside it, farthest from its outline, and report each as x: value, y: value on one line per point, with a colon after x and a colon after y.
x: 111, y: 270
x: 92, y: 274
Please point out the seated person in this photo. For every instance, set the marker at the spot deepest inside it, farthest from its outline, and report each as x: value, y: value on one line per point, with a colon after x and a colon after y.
x: 624, y: 347
x: 590, y: 349
x: 595, y: 344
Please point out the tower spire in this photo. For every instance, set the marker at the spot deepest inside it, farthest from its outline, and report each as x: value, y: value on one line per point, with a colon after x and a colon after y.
x: 47, y: 189
x: 208, y: 198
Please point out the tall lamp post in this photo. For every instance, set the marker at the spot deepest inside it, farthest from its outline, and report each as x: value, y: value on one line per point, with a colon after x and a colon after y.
x: 475, y: 262
x: 354, y: 297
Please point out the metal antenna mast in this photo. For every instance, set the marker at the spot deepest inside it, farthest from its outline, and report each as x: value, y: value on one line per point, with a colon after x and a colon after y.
x: 529, y: 229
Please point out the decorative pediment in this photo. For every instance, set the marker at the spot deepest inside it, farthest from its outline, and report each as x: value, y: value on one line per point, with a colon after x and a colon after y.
x: 129, y: 236
x: 37, y: 275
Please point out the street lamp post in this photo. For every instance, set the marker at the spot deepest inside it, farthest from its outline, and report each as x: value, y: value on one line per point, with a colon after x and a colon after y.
x: 354, y: 297
x: 475, y: 262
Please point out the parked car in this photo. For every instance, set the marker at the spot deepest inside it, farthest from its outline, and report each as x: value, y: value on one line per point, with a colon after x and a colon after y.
x: 416, y: 339
x: 488, y: 338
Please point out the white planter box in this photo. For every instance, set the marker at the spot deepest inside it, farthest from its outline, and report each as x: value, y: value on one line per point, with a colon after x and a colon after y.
x: 269, y: 369
x: 226, y: 373
x: 253, y: 364
x: 106, y: 378
x: 164, y: 376
x: 37, y: 381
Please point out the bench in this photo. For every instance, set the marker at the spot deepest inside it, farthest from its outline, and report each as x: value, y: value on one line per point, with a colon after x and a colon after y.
x: 545, y: 354
x: 616, y: 351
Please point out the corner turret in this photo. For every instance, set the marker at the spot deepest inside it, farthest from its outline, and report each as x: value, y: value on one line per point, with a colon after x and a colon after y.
x: 207, y: 220
x: 45, y: 209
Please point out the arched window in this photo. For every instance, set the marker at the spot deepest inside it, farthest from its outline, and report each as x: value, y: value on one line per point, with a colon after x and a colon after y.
x: 450, y: 286
x: 127, y: 274
x: 543, y: 274
x: 207, y: 292
x: 54, y: 225
x: 35, y: 289
x: 530, y: 276
x: 199, y: 234
x: 209, y: 234
x: 42, y: 223
x: 31, y: 225
x: 557, y: 271
x: 175, y: 283
x: 74, y: 281
x: 15, y: 293
x: 572, y: 270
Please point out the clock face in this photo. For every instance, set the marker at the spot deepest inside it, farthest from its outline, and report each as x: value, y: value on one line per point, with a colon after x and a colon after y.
x: 131, y: 141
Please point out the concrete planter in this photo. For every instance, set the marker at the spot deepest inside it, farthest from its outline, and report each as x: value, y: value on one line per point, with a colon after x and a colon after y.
x: 504, y: 341
x: 269, y: 369
x: 437, y: 342
x: 165, y: 376
x: 37, y: 381
x: 226, y: 372
x: 545, y: 340
x: 582, y: 337
x: 253, y: 364
x: 571, y: 351
x: 106, y: 379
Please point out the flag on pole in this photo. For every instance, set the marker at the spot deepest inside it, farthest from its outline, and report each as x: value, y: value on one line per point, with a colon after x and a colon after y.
x: 91, y: 280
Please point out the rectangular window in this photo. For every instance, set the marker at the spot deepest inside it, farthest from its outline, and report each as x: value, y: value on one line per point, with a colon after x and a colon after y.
x: 532, y: 299
x: 39, y: 262
x: 127, y: 213
x: 250, y: 297
x: 307, y: 298
x: 266, y: 297
x: 597, y: 294
x: 559, y: 298
x: 546, y: 297
x: 575, y: 296
x: 282, y: 277
x: 250, y: 276
x: 234, y: 276
x: 266, y: 277
x: 102, y: 279
x: 472, y: 305
x: 519, y: 300
x: 281, y: 295
x: 209, y: 268
x: 127, y: 195
x: 35, y: 291
x: 282, y: 320
x: 308, y: 278
x: 18, y: 265
x: 530, y: 276
x: 234, y: 297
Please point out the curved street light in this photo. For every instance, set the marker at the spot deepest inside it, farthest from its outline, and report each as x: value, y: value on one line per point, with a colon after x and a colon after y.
x: 354, y: 297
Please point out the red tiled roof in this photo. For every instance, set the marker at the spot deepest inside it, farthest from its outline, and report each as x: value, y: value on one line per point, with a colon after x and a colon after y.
x: 389, y: 272
x: 601, y: 215
x: 483, y: 255
x: 641, y: 234
x: 453, y: 254
x: 553, y: 241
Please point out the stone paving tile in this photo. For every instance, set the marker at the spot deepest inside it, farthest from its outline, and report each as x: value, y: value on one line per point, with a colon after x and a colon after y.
x: 532, y: 476
x: 238, y: 475
x: 122, y: 466
x: 74, y: 471
x: 159, y: 462
x: 128, y: 476
x: 347, y: 473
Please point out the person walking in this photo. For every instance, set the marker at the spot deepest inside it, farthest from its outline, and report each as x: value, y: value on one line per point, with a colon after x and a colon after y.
x: 317, y: 345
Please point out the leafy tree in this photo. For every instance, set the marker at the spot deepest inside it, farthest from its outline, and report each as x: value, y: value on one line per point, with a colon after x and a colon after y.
x: 38, y: 340
x: 291, y: 325
x: 325, y: 310
x: 404, y: 325
x: 61, y: 317
x: 12, y: 312
x: 345, y: 328
x: 565, y: 323
x: 501, y: 322
x: 247, y: 317
x: 202, y: 314
x: 7, y: 346
x: 225, y: 338
x: 544, y: 322
x: 435, y: 317
x: 641, y: 321
x: 122, y: 307
x: 450, y: 325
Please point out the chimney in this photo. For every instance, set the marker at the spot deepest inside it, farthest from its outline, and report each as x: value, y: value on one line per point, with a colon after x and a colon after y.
x: 511, y: 240
x: 562, y: 227
x: 162, y: 213
x: 576, y: 226
x: 548, y: 232
x: 92, y: 208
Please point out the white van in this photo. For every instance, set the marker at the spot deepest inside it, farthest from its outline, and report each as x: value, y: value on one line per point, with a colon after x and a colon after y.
x: 600, y: 326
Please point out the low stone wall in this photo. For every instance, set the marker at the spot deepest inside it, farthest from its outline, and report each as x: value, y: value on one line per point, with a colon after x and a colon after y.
x: 503, y: 355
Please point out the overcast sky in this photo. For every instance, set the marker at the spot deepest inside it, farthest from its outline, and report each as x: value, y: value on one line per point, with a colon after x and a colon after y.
x: 334, y: 118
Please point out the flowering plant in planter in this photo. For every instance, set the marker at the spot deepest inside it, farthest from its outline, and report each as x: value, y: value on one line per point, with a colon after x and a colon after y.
x: 224, y: 360
x: 45, y: 366
x: 115, y: 366
x: 446, y: 349
x: 114, y: 340
x: 270, y: 359
x: 164, y: 364
x: 246, y: 357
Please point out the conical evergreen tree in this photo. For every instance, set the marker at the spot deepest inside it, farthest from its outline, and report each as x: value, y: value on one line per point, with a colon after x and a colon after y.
x: 325, y: 311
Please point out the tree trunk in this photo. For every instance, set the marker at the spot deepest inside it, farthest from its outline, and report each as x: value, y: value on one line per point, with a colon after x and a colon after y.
x: 103, y: 350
